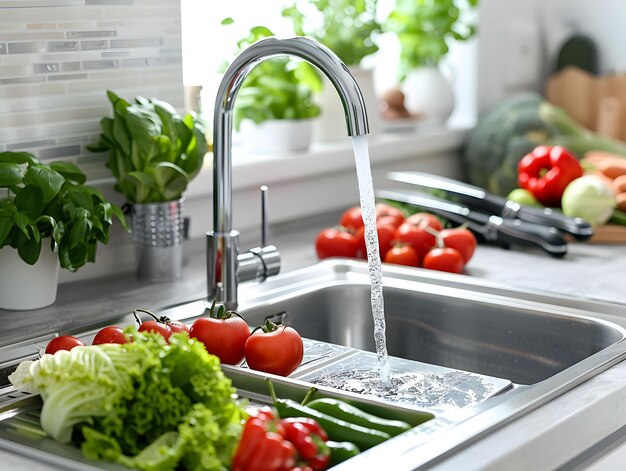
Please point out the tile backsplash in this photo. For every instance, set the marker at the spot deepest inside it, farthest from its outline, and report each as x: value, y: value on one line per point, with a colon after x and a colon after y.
x: 58, y: 58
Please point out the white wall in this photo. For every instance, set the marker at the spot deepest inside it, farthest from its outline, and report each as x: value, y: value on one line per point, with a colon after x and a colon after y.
x: 519, y: 41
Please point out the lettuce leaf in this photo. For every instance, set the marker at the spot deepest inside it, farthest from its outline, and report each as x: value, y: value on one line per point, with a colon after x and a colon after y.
x: 146, y: 404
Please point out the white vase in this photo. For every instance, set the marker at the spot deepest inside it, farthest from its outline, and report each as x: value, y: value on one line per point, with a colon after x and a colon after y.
x: 277, y: 135
x: 23, y: 286
x: 428, y: 92
x: 332, y: 123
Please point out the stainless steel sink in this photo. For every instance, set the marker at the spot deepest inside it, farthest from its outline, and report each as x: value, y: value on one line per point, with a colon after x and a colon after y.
x: 544, y: 344
x: 491, y: 334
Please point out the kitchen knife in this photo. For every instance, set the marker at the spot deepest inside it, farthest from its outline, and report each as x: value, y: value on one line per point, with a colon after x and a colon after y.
x: 492, y: 228
x: 477, y: 198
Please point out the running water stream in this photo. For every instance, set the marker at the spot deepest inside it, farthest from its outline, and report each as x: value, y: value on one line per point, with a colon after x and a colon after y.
x: 368, y: 208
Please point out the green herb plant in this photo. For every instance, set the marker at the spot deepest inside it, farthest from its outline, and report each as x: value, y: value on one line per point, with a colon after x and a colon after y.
x: 51, y: 201
x: 153, y: 152
x: 347, y: 27
x: 424, y: 29
x: 278, y: 88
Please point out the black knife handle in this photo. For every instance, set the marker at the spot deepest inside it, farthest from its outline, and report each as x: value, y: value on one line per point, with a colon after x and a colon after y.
x: 516, y: 231
x: 577, y: 227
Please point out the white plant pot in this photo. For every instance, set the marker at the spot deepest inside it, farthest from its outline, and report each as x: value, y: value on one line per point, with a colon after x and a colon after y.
x: 332, y: 123
x: 277, y: 135
x: 23, y: 286
x: 428, y: 92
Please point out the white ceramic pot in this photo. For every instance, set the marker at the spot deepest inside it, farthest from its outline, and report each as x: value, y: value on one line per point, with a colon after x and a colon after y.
x: 428, y: 92
x: 23, y: 286
x: 332, y: 123
x: 277, y: 135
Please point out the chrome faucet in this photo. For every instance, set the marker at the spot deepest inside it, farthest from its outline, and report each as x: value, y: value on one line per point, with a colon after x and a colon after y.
x: 223, y: 242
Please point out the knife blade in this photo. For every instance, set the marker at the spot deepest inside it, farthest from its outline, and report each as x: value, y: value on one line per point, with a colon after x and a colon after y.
x: 477, y: 198
x: 492, y: 228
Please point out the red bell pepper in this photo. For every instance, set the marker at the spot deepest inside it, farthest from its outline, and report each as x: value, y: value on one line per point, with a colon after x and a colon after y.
x: 263, y: 445
x: 546, y: 171
x: 309, y: 438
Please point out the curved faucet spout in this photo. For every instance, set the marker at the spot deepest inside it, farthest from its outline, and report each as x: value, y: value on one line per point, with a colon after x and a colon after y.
x: 223, y: 238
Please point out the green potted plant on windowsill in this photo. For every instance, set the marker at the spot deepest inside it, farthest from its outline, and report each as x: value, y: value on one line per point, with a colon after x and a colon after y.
x: 275, y: 110
x: 349, y: 29
x: 425, y: 28
x: 48, y: 218
x: 153, y: 153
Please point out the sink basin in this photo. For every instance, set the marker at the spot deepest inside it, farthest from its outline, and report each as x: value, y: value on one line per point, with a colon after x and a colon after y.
x: 447, y: 326
x: 544, y: 344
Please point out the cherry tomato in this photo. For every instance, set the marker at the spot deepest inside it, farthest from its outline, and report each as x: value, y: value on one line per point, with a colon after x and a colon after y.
x: 110, y: 334
x: 177, y: 327
x: 417, y: 236
x: 333, y: 242
x: 386, y: 235
x: 403, y: 255
x: 425, y: 219
x: 157, y: 327
x: 274, y: 349
x: 63, y: 342
x: 391, y: 215
x: 444, y: 259
x: 460, y: 239
x: 352, y: 218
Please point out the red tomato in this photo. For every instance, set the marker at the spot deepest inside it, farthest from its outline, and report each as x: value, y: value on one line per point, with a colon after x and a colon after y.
x: 415, y: 235
x: 110, y: 334
x: 333, y: 242
x: 460, y: 239
x: 392, y: 215
x: 274, y: 349
x: 425, y: 219
x: 177, y: 327
x: 386, y: 236
x: 157, y: 327
x: 63, y: 342
x: 224, y: 338
x: 392, y: 221
x: 403, y: 255
x: 352, y: 218
x: 444, y: 259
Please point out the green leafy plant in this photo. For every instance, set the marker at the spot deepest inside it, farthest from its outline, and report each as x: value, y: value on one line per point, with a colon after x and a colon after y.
x: 347, y: 27
x: 278, y: 88
x: 51, y: 201
x: 153, y: 151
x: 424, y: 28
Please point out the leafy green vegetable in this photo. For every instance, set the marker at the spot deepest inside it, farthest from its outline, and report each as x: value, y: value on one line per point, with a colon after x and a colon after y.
x: 51, y: 201
x: 346, y: 27
x: 153, y: 151
x: 424, y: 28
x: 277, y: 88
x: 145, y: 404
x: 515, y: 127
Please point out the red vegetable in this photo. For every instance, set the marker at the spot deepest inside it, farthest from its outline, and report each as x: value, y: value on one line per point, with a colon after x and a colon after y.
x: 110, y: 334
x: 63, y: 342
x: 461, y: 239
x: 546, y: 171
x: 336, y: 242
x: 417, y: 235
x: 274, y: 349
x: 403, y: 254
x: 309, y: 438
x: 223, y: 333
x: 444, y: 259
x: 386, y: 234
x: 263, y: 446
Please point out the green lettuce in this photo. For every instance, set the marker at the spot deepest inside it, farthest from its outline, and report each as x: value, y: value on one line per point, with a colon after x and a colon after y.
x: 146, y: 404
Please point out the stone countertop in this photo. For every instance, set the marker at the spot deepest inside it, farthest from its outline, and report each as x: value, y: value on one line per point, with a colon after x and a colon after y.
x: 574, y: 421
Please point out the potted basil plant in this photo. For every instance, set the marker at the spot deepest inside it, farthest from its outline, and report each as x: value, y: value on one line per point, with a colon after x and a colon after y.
x: 48, y: 219
x: 275, y: 109
x: 350, y: 30
x: 425, y: 29
x: 153, y: 153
